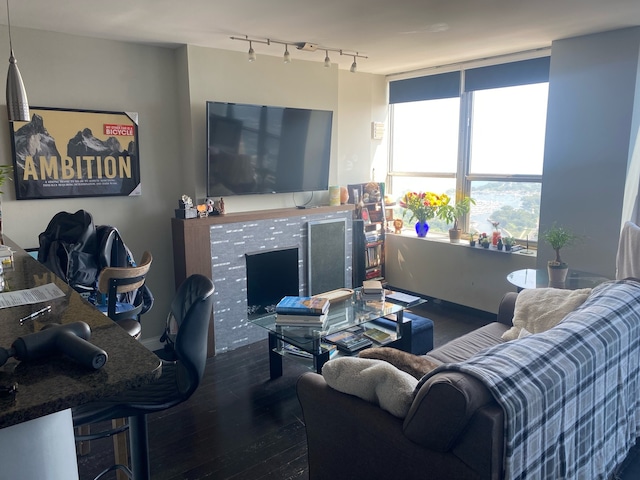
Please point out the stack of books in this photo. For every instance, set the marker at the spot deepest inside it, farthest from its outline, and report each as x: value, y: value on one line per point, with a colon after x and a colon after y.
x: 372, y: 290
x: 349, y: 341
x: 302, y: 311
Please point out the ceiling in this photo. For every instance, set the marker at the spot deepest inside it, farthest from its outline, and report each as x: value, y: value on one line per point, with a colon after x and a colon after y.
x: 395, y: 35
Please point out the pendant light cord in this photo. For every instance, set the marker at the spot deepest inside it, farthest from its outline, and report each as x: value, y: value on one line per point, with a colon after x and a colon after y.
x: 9, y: 26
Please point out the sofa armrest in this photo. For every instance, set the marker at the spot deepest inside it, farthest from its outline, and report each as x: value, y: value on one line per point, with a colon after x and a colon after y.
x: 506, y: 308
x: 442, y: 409
x: 346, y: 437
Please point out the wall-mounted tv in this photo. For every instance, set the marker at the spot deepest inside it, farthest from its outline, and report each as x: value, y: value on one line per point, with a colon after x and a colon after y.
x: 255, y: 149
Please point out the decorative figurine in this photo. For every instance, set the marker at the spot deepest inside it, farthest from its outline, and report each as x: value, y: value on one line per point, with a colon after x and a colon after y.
x: 398, y: 224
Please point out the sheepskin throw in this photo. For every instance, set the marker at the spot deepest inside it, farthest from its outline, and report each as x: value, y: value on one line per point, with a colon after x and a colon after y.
x: 372, y: 380
x: 539, y: 309
x: 415, y: 365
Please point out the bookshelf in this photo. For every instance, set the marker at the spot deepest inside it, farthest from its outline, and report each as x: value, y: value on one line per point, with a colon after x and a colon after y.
x: 369, y: 229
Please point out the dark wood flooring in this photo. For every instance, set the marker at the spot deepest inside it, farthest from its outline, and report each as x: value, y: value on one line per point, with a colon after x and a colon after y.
x: 242, y: 425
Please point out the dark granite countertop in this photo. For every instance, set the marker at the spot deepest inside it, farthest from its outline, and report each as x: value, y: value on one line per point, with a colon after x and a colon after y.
x: 56, y: 383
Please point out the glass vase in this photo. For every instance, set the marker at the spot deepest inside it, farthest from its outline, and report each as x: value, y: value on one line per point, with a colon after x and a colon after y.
x: 494, y: 238
x: 422, y: 228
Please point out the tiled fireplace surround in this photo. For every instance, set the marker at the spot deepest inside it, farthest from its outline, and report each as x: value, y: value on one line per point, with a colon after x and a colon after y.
x: 231, y: 237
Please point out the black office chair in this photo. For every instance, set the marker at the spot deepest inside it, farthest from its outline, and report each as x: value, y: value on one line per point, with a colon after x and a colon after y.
x: 191, y: 308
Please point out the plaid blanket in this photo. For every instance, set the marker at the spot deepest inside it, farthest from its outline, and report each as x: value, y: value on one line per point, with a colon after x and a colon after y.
x: 571, y: 395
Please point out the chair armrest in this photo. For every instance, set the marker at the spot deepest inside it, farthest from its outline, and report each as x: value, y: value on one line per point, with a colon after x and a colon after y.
x: 506, y: 308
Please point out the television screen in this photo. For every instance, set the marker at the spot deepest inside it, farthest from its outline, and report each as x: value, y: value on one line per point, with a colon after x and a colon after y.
x: 263, y: 149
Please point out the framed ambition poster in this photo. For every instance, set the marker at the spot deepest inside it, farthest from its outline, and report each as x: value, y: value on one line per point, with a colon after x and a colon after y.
x: 75, y: 153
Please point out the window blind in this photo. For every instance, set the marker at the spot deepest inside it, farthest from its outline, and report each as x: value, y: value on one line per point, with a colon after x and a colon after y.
x: 432, y: 87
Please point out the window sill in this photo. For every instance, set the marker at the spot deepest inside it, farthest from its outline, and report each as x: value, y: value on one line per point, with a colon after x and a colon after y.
x: 444, y: 238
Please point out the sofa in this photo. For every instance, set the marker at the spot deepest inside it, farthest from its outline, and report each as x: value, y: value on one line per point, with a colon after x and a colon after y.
x: 575, y: 412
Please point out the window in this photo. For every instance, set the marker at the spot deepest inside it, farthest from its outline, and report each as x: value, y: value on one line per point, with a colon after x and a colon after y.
x: 482, y: 137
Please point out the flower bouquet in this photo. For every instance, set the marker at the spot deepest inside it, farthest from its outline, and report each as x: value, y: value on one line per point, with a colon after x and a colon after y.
x: 423, y: 206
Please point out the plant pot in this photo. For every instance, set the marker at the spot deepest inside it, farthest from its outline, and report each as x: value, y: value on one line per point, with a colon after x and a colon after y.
x: 472, y: 243
x: 454, y: 235
x: 557, y: 274
x: 507, y: 248
x: 485, y: 245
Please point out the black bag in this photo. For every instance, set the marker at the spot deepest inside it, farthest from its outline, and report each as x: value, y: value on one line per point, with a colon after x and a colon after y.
x: 76, y: 250
x: 68, y: 248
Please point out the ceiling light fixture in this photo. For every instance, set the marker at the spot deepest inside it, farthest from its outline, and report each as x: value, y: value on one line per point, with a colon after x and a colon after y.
x: 354, y: 65
x: 287, y: 55
x: 17, y: 103
x: 303, y: 46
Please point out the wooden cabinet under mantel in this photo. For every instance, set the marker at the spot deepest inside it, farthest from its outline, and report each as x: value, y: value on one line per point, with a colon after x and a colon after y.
x: 192, y: 241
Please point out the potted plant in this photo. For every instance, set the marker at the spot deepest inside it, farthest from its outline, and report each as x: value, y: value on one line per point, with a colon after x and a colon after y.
x: 508, y: 243
x: 558, y: 238
x: 452, y: 214
x: 472, y: 239
x: 485, y: 242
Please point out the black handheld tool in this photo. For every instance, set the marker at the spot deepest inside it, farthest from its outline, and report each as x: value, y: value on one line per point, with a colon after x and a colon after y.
x: 70, y: 339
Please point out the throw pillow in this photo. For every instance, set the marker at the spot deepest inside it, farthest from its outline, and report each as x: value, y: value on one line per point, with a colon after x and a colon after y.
x: 539, y: 309
x: 415, y: 365
x: 372, y: 380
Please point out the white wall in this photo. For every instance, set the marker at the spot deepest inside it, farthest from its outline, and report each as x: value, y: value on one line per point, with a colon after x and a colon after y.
x: 169, y: 88
x: 84, y: 73
x: 434, y: 267
x: 589, y: 143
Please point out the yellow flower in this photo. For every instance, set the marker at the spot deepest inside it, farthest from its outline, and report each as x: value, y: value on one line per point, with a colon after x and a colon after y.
x: 423, y: 205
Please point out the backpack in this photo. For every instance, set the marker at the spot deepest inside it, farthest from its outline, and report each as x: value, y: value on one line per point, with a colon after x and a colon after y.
x: 76, y: 250
x: 67, y: 247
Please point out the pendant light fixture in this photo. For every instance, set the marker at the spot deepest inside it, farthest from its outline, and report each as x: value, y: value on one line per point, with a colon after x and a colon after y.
x: 17, y: 103
x: 252, y: 52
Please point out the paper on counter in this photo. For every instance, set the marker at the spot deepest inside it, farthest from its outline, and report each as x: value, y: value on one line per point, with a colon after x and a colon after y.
x: 42, y: 293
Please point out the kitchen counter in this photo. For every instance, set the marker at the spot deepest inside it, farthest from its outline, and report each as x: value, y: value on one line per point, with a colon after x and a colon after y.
x: 58, y: 383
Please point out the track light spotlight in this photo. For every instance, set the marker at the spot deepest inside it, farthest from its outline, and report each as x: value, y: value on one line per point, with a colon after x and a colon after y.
x: 354, y: 65
x: 287, y: 55
x: 302, y: 46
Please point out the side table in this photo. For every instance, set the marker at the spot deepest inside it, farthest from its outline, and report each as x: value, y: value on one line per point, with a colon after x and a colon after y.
x: 539, y: 278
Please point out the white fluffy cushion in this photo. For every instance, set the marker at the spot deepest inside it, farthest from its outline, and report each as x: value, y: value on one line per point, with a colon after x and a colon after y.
x: 376, y: 381
x: 539, y: 309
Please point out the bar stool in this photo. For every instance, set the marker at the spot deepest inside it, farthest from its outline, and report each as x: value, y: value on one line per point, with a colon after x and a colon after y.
x: 191, y: 308
x: 120, y: 295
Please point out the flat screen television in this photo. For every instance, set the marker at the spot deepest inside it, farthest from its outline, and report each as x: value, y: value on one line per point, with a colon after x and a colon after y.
x: 254, y: 149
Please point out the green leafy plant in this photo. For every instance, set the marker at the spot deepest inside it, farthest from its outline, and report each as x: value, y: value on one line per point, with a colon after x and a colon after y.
x: 5, y: 171
x: 509, y: 241
x: 558, y: 238
x: 453, y: 213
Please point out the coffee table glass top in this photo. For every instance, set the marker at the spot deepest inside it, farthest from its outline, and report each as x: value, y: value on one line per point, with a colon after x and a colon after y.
x: 342, y: 315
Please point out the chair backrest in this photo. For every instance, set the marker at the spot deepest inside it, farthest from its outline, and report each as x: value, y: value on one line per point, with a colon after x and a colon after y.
x: 192, y: 307
x: 115, y: 281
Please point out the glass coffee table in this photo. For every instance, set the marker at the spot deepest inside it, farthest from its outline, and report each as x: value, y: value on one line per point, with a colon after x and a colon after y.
x: 343, y: 315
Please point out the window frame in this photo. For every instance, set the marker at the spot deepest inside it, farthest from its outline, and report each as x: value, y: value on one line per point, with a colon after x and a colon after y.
x: 463, y: 177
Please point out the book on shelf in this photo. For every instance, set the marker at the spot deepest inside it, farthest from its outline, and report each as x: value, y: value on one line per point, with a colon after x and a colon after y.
x: 298, y: 352
x: 349, y: 341
x: 292, y: 305
x: 403, y: 299
x: 378, y: 336
x: 301, y: 320
x: 372, y: 286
